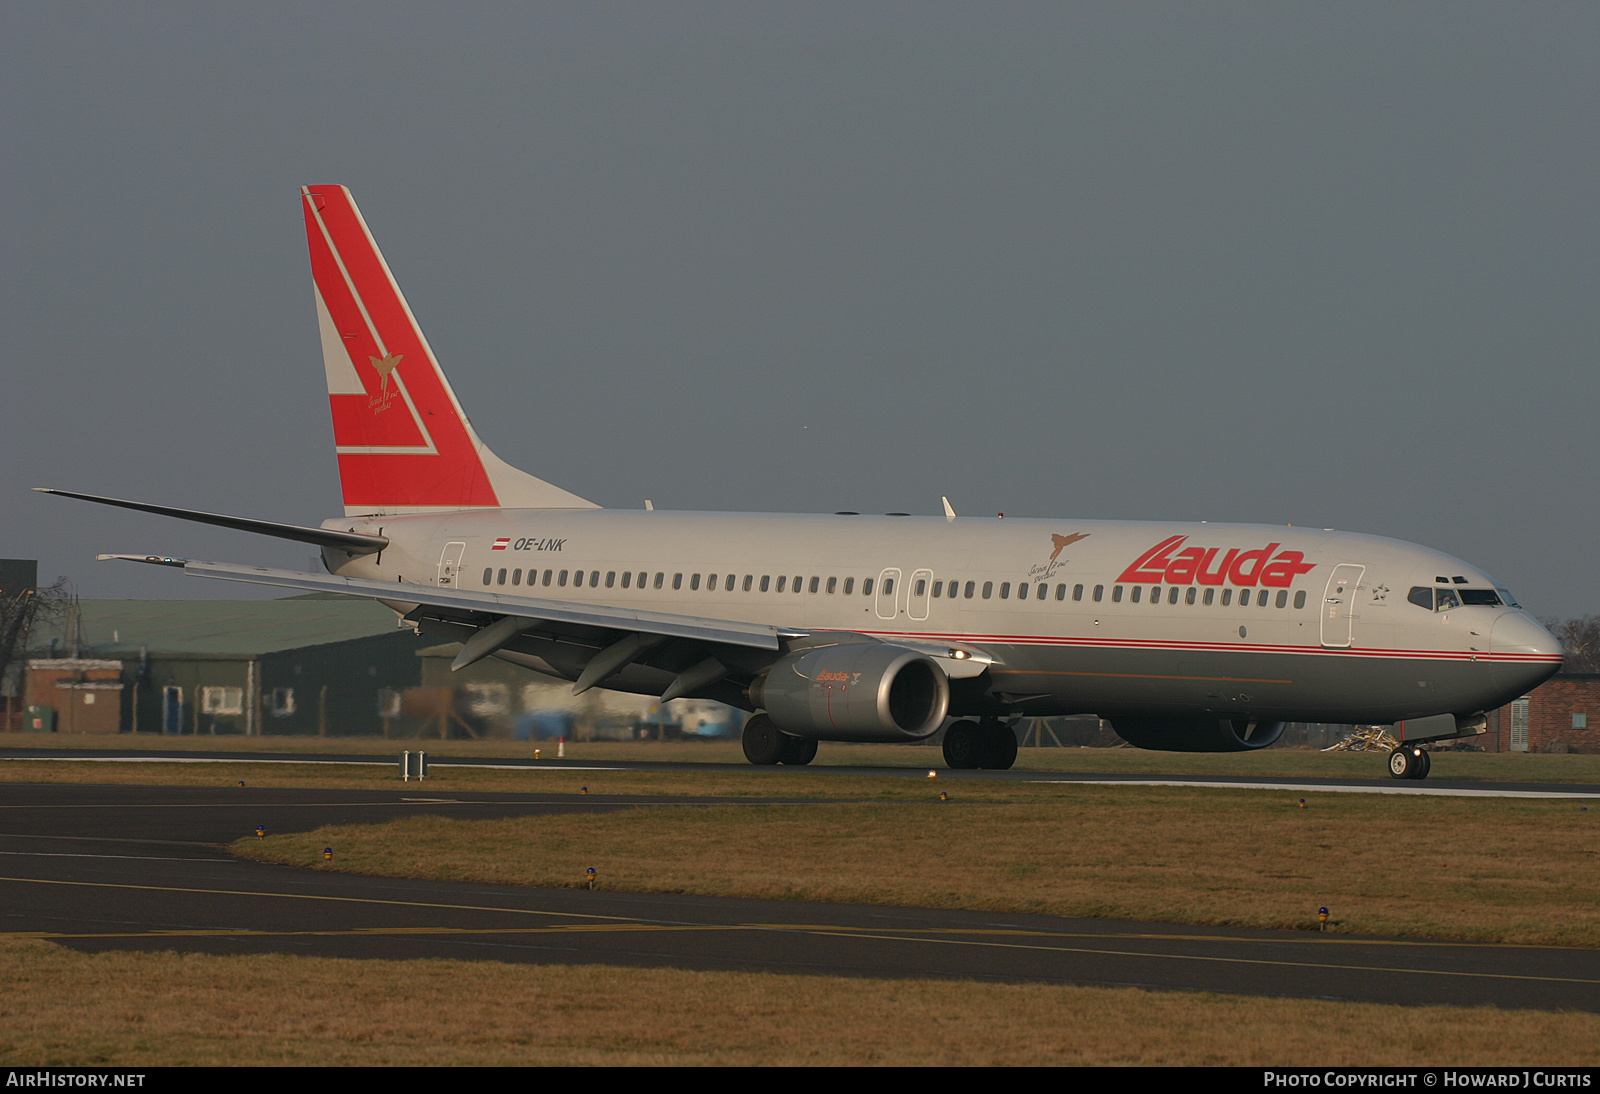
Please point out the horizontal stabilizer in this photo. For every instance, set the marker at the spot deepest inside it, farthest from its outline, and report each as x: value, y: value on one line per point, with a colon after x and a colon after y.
x: 354, y: 542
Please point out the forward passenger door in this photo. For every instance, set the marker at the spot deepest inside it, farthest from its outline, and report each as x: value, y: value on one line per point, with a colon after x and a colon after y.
x: 1338, y: 601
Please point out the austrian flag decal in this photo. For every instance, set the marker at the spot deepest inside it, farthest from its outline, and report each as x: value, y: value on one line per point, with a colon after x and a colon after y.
x: 1165, y: 564
x: 501, y: 544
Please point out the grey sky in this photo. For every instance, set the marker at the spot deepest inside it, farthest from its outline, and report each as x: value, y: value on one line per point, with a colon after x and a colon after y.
x: 1319, y: 264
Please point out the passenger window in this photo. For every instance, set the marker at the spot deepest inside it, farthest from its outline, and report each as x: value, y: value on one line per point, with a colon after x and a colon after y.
x: 1005, y: 589
x: 748, y: 581
x: 1098, y: 589
x: 1447, y: 600
x: 1077, y: 592
x: 938, y: 589
x: 501, y: 579
x: 547, y: 575
x: 1155, y: 594
x: 694, y: 582
x: 797, y: 580
x: 1022, y: 590
x: 1261, y: 599
x: 711, y: 583
x: 657, y: 581
x: 971, y: 587
x: 1283, y: 598
x: 1227, y: 597
x: 611, y: 579
x: 888, y: 586
x: 643, y: 575
x: 627, y: 579
x: 1300, y: 599
x: 1188, y: 597
x: 951, y: 591
x: 988, y: 589
x: 488, y: 574
x: 866, y: 586
x: 1138, y: 591
x: 922, y: 586
x: 594, y: 579
x: 561, y: 579
x: 766, y: 583
x: 816, y: 581
x: 1116, y: 594
x: 727, y: 584
x: 1061, y: 591
x: 516, y: 576
x: 677, y: 581
x: 1211, y: 594
x: 1172, y: 595
x: 833, y: 584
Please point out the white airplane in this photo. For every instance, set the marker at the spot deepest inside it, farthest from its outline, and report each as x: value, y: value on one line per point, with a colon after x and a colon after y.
x: 1187, y: 637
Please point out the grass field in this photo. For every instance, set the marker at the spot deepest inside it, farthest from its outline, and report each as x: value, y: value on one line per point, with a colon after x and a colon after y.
x: 1523, y: 870
x: 1511, y: 870
x: 131, y: 1010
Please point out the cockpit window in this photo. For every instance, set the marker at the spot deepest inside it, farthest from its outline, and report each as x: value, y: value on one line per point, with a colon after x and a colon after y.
x: 1507, y: 599
x: 1421, y: 596
x: 1479, y: 596
x: 1447, y: 600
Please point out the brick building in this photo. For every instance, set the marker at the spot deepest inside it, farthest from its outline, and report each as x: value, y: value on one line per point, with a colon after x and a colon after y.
x: 1560, y: 715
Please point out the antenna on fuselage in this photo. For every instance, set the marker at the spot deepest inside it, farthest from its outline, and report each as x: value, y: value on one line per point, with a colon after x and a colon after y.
x: 949, y: 510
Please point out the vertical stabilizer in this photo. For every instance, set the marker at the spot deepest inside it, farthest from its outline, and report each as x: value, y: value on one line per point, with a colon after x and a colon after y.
x: 403, y: 442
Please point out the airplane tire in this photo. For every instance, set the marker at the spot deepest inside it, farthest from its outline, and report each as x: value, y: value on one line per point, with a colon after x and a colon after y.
x: 999, y: 747
x: 1402, y: 764
x: 764, y: 743
x: 1424, y: 765
x: 963, y: 746
x: 798, y: 751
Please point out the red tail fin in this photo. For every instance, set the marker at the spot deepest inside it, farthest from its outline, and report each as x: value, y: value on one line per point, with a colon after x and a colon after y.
x: 403, y: 442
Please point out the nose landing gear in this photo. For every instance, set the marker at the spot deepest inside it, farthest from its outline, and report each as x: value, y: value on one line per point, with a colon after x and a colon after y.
x: 1409, y: 762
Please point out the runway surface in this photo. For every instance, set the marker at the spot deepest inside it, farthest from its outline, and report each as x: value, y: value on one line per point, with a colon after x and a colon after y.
x: 1378, y: 784
x: 112, y: 867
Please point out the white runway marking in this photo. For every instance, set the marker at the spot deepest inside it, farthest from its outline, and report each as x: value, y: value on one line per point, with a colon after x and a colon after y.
x: 1375, y: 788
x: 306, y: 760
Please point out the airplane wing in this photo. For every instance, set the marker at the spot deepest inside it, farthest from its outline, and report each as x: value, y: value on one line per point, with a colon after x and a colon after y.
x: 663, y: 653
x: 467, y: 603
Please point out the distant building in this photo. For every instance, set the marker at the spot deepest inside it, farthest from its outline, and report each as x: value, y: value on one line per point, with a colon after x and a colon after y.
x: 73, y: 695
x: 302, y: 665
x: 1560, y: 715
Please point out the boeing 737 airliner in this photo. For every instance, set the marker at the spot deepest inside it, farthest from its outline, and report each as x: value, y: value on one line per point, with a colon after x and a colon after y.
x: 1188, y: 637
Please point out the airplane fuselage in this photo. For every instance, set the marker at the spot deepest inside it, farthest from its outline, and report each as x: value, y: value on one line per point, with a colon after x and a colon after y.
x: 1059, y: 616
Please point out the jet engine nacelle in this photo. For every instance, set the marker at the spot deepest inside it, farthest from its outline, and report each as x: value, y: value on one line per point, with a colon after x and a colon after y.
x: 1197, y: 734
x: 865, y: 691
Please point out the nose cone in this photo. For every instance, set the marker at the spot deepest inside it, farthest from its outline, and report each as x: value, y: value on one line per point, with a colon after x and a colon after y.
x: 1525, y: 655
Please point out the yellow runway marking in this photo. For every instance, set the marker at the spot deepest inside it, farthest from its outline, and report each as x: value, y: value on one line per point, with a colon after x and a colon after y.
x: 625, y: 924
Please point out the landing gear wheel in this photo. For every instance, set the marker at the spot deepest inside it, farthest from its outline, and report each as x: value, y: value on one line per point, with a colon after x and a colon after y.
x: 999, y: 747
x: 764, y: 743
x: 798, y: 751
x: 963, y: 746
x: 1425, y: 760
x: 1403, y: 762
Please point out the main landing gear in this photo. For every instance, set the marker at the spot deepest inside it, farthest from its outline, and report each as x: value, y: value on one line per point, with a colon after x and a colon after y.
x: 989, y: 744
x: 765, y: 744
x: 1409, y: 762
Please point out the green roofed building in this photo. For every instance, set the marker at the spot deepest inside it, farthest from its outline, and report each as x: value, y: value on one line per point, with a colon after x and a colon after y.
x: 303, y: 665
